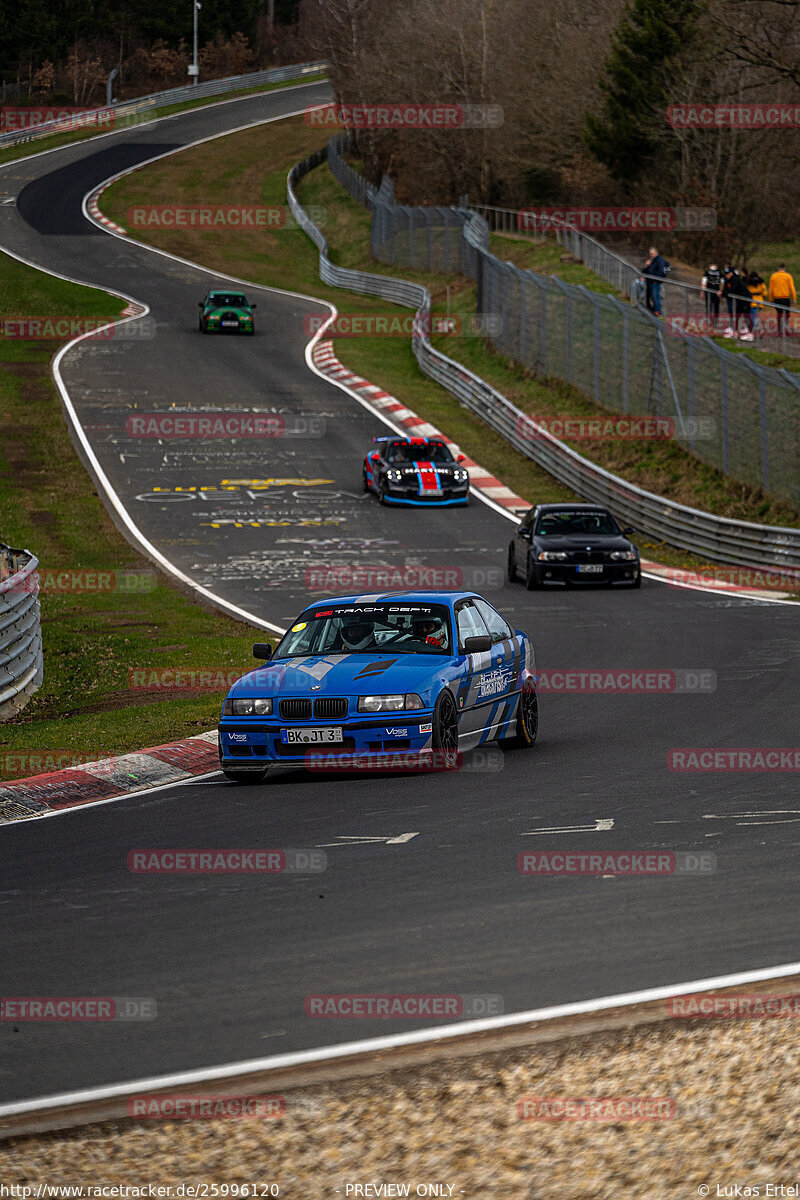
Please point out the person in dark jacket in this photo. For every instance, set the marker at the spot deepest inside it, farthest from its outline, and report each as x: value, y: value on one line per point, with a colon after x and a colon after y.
x: 736, y: 291
x: 712, y: 282
x: 655, y: 271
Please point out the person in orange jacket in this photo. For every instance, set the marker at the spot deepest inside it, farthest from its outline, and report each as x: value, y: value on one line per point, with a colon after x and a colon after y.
x: 781, y: 293
x: 758, y: 294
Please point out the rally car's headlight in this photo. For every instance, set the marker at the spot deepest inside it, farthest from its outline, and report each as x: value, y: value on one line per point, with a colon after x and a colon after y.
x: 623, y: 555
x: 461, y: 476
x: 553, y: 556
x: 396, y: 703
x: 394, y: 475
x: 247, y: 708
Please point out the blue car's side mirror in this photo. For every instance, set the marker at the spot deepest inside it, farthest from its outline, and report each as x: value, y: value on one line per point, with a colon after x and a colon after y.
x: 262, y: 650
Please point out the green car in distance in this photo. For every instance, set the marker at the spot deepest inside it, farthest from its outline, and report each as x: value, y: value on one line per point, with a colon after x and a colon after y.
x: 226, y: 312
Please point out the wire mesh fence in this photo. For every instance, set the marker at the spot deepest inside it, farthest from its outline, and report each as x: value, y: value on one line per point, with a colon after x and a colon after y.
x: 732, y: 413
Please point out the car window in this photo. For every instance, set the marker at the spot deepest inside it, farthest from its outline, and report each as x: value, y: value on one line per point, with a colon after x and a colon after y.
x: 469, y: 624
x: 497, y: 627
x: 577, y: 523
x: 527, y: 520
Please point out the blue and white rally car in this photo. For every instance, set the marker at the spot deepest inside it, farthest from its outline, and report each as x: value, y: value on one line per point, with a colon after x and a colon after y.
x: 367, y: 678
x: 417, y: 471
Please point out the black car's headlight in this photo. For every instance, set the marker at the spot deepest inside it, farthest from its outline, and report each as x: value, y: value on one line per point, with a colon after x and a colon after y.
x: 623, y: 555
x: 552, y: 556
x: 460, y: 475
x: 394, y: 475
x: 393, y: 703
x: 260, y: 707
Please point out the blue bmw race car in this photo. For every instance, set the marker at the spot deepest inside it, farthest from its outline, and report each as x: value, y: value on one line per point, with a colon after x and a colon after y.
x: 419, y: 471
x: 362, y: 680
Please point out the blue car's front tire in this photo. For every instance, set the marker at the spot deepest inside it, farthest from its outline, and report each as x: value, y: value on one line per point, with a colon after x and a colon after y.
x: 445, y: 731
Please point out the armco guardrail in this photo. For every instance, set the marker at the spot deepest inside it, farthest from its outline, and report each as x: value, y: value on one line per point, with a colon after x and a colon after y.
x: 687, y: 528
x: 21, y: 665
x: 129, y: 111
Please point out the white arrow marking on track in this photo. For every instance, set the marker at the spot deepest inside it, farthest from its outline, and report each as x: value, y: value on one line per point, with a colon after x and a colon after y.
x: 601, y: 825
x: 351, y: 840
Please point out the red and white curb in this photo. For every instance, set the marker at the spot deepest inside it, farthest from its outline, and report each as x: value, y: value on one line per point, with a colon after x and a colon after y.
x: 94, y: 209
x: 109, y: 778
x: 389, y: 406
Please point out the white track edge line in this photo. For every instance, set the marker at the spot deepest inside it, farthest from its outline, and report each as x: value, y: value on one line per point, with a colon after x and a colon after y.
x: 396, y: 1041
x: 73, y: 808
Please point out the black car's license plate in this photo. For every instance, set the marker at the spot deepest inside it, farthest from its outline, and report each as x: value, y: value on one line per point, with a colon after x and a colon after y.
x: 326, y: 734
x: 590, y: 568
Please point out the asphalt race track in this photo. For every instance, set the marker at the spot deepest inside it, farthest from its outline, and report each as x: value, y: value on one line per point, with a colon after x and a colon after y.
x: 229, y: 959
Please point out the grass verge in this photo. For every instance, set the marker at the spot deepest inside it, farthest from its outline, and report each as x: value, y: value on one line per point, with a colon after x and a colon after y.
x: 96, y: 633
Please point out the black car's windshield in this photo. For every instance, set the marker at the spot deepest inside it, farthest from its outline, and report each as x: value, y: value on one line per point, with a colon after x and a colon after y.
x: 561, y: 524
x: 418, y: 451
x: 368, y: 629
x: 234, y: 299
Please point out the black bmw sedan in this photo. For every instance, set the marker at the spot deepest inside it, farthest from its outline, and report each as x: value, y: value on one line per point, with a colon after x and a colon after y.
x: 572, y: 543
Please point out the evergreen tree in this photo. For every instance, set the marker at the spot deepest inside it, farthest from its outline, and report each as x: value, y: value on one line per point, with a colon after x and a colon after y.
x: 645, y: 48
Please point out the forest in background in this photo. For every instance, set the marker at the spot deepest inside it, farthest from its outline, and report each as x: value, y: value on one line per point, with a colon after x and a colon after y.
x: 584, y: 86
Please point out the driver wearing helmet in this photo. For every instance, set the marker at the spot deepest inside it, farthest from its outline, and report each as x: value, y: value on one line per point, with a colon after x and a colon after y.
x: 429, y: 629
x: 356, y: 632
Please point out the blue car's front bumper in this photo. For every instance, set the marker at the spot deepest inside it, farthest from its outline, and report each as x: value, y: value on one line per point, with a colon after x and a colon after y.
x: 254, y: 743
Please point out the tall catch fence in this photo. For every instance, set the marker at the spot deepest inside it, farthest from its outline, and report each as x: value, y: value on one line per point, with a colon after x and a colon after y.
x: 21, y: 666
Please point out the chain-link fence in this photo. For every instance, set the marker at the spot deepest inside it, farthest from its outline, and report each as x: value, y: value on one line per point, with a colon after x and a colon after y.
x: 730, y: 412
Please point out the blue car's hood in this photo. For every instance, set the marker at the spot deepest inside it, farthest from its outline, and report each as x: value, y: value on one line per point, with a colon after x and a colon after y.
x: 343, y: 675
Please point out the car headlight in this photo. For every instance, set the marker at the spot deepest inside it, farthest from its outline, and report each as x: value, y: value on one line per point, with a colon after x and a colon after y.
x: 394, y: 475
x: 553, y: 556
x: 260, y: 707
x: 461, y: 476
x: 394, y: 703
x: 623, y: 555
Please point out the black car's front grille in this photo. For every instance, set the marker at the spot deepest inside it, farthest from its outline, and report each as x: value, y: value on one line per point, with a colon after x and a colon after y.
x: 589, y: 556
x: 295, y: 710
x: 331, y: 706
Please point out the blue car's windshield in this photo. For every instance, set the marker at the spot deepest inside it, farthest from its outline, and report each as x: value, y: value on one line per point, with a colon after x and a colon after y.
x: 414, y: 628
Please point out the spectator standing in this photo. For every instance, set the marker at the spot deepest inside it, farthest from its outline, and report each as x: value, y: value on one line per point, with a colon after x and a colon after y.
x: 738, y: 297
x: 655, y: 272
x: 725, y: 292
x: 712, y: 282
x: 781, y: 293
x: 758, y: 294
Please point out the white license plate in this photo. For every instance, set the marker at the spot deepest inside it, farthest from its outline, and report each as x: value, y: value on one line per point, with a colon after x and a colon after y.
x: 590, y: 568
x: 305, y: 737
x: 234, y: 324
